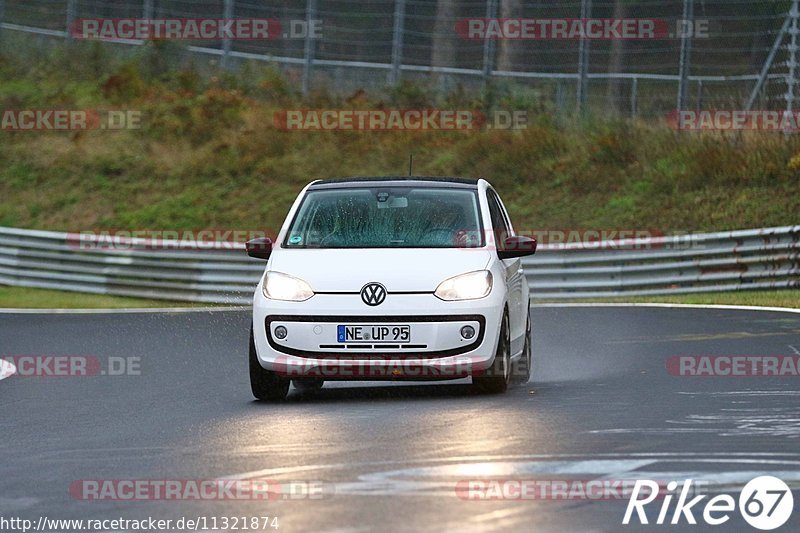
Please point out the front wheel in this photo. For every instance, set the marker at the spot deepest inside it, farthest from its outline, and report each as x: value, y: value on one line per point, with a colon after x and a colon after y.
x: 265, y: 384
x: 497, y: 376
x: 521, y: 368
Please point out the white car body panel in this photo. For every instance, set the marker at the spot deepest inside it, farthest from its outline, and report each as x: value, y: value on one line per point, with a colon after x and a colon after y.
x: 410, y: 276
x: 401, y: 270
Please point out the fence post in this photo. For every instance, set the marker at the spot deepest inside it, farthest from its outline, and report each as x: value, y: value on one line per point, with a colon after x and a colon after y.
x: 560, y: 104
x: 768, y: 63
x: 686, y: 51
x: 791, y: 79
x: 488, y: 44
x: 699, y: 105
x: 147, y: 9
x: 308, y: 48
x: 397, y: 40
x: 227, y: 13
x: 70, y: 17
x: 634, y: 97
x: 583, y: 60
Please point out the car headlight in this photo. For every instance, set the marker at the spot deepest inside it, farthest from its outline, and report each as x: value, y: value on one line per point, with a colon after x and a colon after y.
x: 470, y: 286
x: 279, y: 286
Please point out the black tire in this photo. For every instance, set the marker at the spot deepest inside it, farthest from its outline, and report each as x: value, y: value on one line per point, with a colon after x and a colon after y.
x: 308, y: 385
x: 265, y: 384
x: 521, y: 368
x: 497, y: 377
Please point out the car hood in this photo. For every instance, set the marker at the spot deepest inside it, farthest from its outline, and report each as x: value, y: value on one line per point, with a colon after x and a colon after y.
x: 399, y: 270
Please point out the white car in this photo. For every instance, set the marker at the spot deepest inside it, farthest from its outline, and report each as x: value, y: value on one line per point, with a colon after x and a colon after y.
x: 391, y: 278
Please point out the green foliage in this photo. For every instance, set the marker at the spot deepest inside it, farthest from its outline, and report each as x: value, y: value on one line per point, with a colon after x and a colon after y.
x: 410, y: 95
x: 208, y: 154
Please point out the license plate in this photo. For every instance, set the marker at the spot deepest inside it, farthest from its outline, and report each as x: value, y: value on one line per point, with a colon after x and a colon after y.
x: 374, y: 334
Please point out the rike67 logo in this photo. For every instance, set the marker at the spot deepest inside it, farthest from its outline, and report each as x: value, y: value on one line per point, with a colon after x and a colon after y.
x: 765, y: 503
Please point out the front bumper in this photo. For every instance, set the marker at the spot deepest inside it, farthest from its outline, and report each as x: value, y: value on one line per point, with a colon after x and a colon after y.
x: 436, y: 349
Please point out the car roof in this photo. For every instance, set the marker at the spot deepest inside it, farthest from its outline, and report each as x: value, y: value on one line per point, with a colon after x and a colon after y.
x: 389, y: 181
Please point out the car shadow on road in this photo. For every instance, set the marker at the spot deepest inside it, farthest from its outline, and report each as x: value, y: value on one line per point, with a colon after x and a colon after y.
x: 389, y: 392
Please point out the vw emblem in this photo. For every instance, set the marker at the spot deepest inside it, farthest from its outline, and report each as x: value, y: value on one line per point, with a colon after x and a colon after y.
x: 373, y: 294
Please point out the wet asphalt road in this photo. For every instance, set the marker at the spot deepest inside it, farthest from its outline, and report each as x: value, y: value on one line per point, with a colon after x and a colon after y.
x: 390, y: 456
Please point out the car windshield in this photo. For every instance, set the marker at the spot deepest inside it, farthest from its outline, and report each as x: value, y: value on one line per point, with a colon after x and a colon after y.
x: 387, y: 217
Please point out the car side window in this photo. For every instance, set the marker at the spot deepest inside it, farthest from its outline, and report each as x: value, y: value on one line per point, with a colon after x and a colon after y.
x: 499, y: 224
x: 505, y: 215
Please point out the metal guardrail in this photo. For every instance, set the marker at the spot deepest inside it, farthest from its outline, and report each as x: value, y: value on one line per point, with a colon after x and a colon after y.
x: 222, y: 273
x: 754, y: 259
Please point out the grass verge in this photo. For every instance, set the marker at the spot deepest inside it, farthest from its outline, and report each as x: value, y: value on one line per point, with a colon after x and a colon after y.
x: 28, y: 298
x: 787, y: 298
x: 209, y: 152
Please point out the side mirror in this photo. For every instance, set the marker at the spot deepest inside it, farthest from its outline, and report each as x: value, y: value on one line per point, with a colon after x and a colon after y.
x: 517, y: 246
x: 259, y: 248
